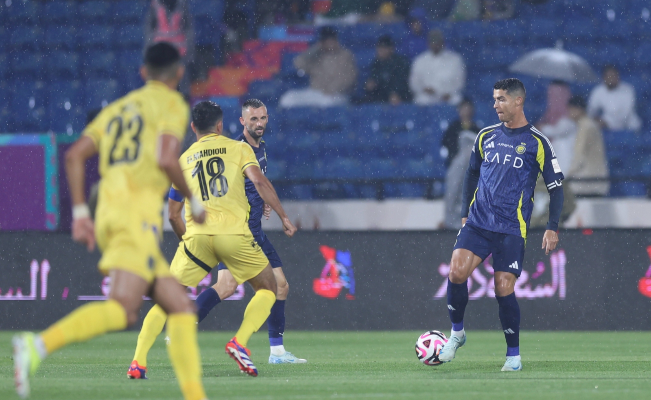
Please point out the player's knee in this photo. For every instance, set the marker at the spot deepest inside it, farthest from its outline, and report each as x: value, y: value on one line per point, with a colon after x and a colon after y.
x: 132, y: 317
x: 282, y: 291
x: 457, y: 274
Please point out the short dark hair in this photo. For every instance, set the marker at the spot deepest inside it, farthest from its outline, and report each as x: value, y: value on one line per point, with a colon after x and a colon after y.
x: 161, y: 58
x: 205, y: 115
x: 252, y: 103
x: 327, y: 32
x: 511, y: 85
x: 385, y: 41
x: 577, y: 101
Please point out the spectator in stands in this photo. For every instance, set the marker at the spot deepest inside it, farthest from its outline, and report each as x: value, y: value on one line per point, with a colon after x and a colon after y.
x: 557, y: 125
x: 416, y: 40
x: 456, y: 148
x: 466, y: 122
x: 387, y: 81
x: 332, y: 72
x: 171, y: 21
x: 589, y: 160
x: 612, y: 103
x: 498, y: 9
x: 438, y: 75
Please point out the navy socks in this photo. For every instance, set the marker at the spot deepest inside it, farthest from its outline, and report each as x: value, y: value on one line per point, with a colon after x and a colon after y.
x: 457, y: 301
x: 206, y: 301
x: 276, y: 323
x: 510, y: 319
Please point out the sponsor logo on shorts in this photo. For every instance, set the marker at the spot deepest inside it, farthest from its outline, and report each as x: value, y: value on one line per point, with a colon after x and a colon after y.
x: 514, y: 265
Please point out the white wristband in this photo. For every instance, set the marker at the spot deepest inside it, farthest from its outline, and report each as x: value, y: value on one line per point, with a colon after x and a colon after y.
x: 196, y: 207
x: 80, y: 211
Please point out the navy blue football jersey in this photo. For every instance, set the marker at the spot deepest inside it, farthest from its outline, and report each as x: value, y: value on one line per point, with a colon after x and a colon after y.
x: 509, y: 163
x: 255, y: 201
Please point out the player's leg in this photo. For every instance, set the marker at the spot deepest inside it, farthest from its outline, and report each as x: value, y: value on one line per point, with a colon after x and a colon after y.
x: 276, y: 322
x: 152, y: 326
x: 469, y: 251
x: 507, y: 263
x: 86, y: 322
x: 183, y: 349
x: 223, y: 289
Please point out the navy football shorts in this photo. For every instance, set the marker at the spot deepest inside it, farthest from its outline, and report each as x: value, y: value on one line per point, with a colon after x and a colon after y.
x: 507, y: 250
x: 267, y: 248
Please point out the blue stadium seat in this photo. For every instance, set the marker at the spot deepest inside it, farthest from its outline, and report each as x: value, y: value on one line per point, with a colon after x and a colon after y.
x: 128, y: 11
x: 128, y: 67
x: 63, y: 64
x: 94, y: 10
x: 59, y: 11
x: 360, y: 36
x: 4, y: 67
x: 129, y: 36
x: 404, y: 190
x: 21, y: 11
x: 287, y: 64
x: 65, y: 107
x: 543, y: 32
x: 212, y: 9
x: 100, y: 64
x: 95, y: 37
x: 100, y: 92
x: 379, y: 168
x: 27, y: 64
x: 628, y: 189
x: 27, y: 106
x: 613, y: 30
x: 26, y: 37
x: 613, y: 53
x: 364, y: 59
x: 60, y: 37
x: 469, y: 32
x: 643, y: 54
x: 269, y: 91
x: 580, y: 30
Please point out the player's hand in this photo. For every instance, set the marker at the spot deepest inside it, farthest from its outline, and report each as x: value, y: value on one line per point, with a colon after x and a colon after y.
x: 266, y: 211
x: 288, y: 227
x: 83, y: 231
x: 550, y: 240
x: 198, y: 212
x: 463, y: 221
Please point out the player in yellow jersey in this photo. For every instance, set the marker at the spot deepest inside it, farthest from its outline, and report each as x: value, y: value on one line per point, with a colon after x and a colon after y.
x: 215, y: 168
x: 138, y: 141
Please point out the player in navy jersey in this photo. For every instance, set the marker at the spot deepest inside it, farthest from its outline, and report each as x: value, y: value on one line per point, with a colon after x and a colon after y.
x: 498, y: 193
x: 254, y: 119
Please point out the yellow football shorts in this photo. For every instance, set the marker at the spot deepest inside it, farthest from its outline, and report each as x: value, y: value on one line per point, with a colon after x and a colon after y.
x: 197, y: 255
x: 129, y: 238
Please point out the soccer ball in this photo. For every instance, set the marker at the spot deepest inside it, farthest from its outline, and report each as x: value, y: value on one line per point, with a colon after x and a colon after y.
x: 428, y: 347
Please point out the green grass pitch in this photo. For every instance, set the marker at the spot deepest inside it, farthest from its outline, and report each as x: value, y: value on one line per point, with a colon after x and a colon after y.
x: 357, y: 365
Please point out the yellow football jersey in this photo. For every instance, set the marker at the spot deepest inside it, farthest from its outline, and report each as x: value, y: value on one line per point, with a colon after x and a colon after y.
x: 214, y: 169
x: 126, y: 133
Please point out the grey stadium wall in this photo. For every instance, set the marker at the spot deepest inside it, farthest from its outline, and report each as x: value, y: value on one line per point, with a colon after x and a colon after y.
x: 595, y: 280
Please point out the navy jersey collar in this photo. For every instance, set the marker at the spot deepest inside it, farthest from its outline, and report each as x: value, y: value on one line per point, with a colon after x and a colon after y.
x: 514, y: 132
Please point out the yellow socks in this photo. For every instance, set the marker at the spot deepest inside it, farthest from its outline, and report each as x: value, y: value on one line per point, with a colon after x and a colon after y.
x: 183, y: 351
x: 255, y: 314
x: 86, y: 322
x: 152, y: 326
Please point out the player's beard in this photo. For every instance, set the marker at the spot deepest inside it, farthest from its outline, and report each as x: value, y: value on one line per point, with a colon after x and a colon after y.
x: 256, y: 134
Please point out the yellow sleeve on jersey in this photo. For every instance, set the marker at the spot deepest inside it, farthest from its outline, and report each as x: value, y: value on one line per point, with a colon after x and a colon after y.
x: 175, y: 118
x: 248, y: 157
x: 94, y: 131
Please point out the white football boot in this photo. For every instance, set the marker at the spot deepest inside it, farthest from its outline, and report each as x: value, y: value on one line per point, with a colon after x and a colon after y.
x: 449, y: 350
x: 512, y: 364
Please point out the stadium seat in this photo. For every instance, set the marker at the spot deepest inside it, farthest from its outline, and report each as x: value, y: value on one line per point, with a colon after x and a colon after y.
x: 59, y: 11
x: 360, y: 36
x: 62, y: 64
x: 579, y: 30
x: 628, y: 189
x: 94, y: 37
x: 21, y: 11
x: 128, y: 11
x: 26, y: 37
x: 65, y: 111
x: 27, y: 64
x: 269, y: 91
x: 100, y: 64
x: 543, y: 32
x: 643, y: 55
x: 94, y: 10
x: 612, y: 30
x: 4, y: 67
x: 60, y: 38
x: 129, y: 37
x: 100, y: 92
x: 27, y: 106
x: 379, y: 168
x: 213, y: 9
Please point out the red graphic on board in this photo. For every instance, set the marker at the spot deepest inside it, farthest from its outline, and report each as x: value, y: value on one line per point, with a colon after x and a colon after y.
x: 644, y: 285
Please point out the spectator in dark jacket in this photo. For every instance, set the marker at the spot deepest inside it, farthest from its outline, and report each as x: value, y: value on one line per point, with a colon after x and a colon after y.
x: 387, y: 82
x: 416, y: 40
x: 466, y: 122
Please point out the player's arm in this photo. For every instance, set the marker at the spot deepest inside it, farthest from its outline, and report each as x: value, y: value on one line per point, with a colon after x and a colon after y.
x: 174, y: 211
x: 169, y: 148
x: 553, y: 177
x: 83, y: 230
x: 471, y: 180
x: 268, y: 194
